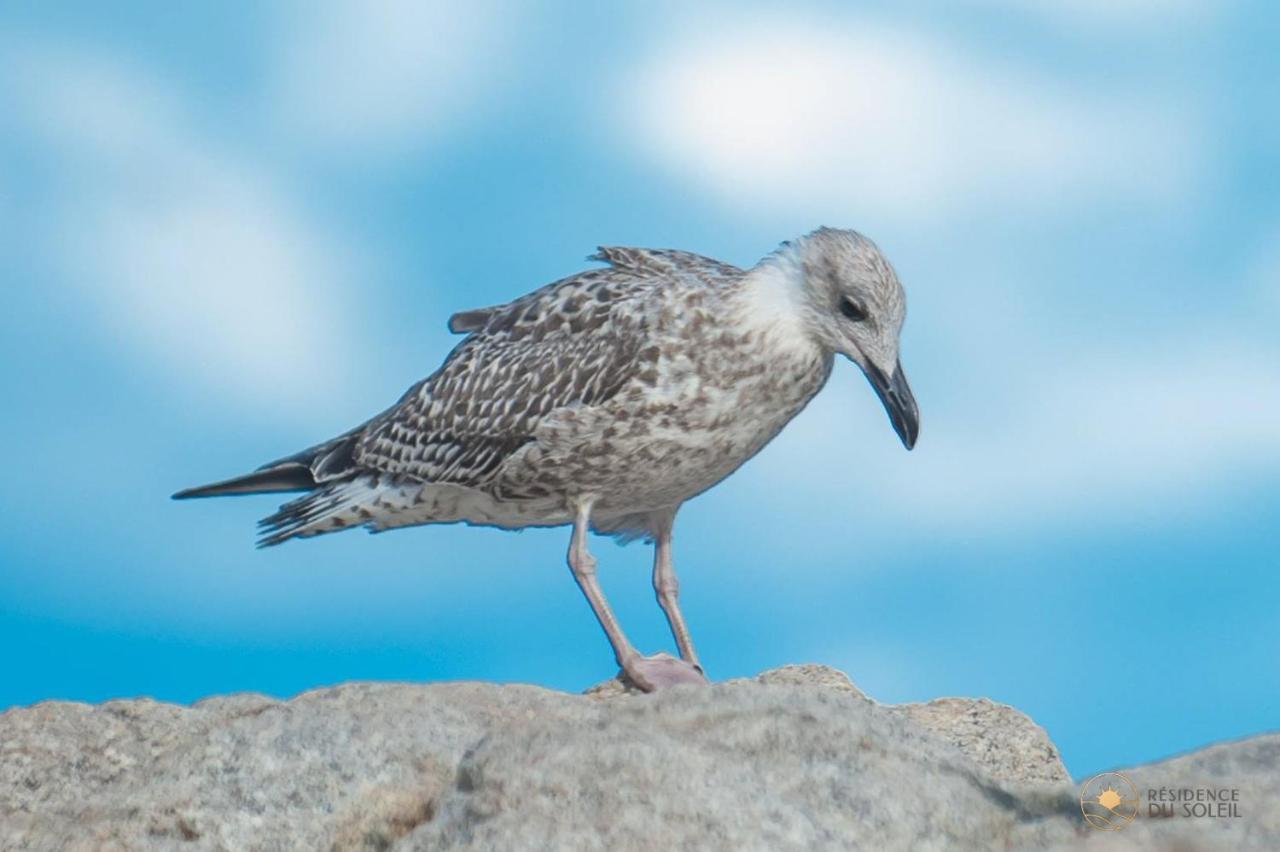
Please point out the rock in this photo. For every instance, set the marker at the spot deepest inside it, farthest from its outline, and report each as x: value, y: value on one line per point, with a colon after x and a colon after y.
x: 1002, y: 740
x: 811, y: 674
x: 797, y: 758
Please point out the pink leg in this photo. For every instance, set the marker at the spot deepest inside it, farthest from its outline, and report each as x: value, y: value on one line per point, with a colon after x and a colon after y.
x: 648, y: 673
x: 667, y: 588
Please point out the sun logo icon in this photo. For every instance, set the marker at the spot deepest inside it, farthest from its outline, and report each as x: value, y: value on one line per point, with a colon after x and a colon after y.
x: 1109, y: 801
x: 1109, y: 798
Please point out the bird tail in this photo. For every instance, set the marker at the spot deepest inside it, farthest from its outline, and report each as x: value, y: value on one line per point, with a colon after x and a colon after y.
x: 342, y: 495
x: 335, y: 506
x: 289, y: 476
x: 302, y: 471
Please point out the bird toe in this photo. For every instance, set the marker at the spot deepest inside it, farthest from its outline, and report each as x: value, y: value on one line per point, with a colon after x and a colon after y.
x: 662, y: 671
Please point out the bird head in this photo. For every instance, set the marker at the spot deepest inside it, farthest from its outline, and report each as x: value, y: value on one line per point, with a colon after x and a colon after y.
x: 853, y: 304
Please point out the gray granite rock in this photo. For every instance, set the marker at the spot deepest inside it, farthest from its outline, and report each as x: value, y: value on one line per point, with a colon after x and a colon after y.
x: 797, y: 758
x: 1000, y: 739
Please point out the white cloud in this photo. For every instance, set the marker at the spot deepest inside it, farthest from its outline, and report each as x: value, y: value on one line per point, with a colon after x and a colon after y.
x: 822, y: 117
x: 196, y: 262
x: 1108, y: 432
x: 225, y: 281
x: 384, y: 76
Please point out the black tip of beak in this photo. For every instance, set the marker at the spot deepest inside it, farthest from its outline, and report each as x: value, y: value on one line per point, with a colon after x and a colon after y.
x: 899, y: 402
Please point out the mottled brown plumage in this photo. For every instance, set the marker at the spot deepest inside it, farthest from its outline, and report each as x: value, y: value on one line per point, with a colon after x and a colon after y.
x: 606, y: 400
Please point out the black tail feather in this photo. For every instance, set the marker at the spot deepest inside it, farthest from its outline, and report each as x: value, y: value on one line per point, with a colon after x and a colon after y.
x: 290, y: 476
x: 293, y: 516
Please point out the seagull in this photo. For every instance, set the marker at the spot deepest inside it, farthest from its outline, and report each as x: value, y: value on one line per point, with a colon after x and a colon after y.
x: 604, y: 401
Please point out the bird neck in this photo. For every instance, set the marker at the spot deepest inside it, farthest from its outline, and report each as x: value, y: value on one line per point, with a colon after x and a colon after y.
x: 772, y: 302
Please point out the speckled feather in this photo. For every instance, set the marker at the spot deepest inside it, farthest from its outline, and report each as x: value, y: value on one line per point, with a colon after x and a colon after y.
x: 470, y: 432
x: 624, y: 390
x: 627, y: 389
x: 608, y: 399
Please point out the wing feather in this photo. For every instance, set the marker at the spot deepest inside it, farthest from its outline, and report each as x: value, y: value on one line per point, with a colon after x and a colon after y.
x: 575, y: 342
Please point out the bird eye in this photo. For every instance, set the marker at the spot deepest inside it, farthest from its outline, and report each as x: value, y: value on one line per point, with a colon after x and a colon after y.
x: 852, y: 310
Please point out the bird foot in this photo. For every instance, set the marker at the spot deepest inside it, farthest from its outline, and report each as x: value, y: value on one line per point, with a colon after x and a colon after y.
x: 661, y: 671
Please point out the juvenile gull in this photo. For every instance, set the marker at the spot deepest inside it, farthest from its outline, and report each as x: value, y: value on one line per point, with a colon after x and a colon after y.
x: 605, y: 400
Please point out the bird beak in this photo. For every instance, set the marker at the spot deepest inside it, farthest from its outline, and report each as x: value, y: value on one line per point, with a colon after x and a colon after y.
x: 898, y: 401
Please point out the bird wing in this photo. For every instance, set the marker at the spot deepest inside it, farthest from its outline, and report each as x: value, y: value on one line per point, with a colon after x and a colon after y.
x: 665, y: 262
x: 574, y: 342
x: 625, y: 262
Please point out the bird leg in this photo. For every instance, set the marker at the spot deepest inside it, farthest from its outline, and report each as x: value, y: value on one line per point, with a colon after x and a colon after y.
x: 648, y: 673
x: 667, y: 588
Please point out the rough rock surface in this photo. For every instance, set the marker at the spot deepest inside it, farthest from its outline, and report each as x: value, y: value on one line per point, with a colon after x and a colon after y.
x: 797, y: 758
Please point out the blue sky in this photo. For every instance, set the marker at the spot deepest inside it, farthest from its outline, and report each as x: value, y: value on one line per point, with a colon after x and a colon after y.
x: 226, y: 234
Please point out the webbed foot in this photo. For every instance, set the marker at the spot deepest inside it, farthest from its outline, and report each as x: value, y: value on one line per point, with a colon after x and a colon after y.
x: 661, y: 671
